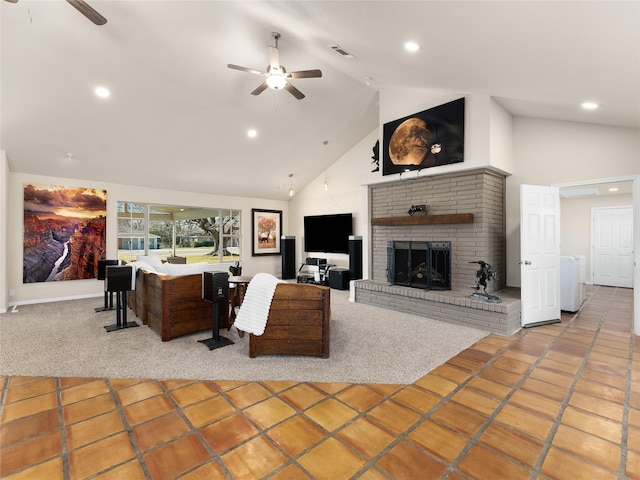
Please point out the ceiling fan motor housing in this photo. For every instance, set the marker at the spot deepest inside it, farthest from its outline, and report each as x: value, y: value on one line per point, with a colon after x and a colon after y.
x: 276, y: 76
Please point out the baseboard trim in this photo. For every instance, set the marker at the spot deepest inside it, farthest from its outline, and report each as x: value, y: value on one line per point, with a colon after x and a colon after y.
x: 57, y: 299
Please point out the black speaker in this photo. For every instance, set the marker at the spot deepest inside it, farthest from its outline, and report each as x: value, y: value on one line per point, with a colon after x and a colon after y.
x: 102, y: 267
x: 215, y: 286
x: 355, y: 257
x: 118, y: 278
x: 215, y: 289
x: 339, y: 278
x: 288, y: 249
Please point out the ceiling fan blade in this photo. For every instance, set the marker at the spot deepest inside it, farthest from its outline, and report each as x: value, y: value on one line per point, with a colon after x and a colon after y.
x: 12, y: 1
x: 260, y: 89
x: 245, y: 69
x: 274, y: 57
x: 294, y: 91
x: 88, y: 12
x: 305, y: 74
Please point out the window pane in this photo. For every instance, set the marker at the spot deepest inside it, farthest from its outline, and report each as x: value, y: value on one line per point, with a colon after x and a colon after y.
x: 198, y: 234
x: 131, y: 230
x: 231, y: 235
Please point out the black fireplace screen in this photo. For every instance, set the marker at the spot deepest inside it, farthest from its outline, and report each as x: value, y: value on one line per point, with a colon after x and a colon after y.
x: 419, y: 264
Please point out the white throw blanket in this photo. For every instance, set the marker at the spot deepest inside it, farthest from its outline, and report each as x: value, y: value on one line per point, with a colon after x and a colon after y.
x: 253, y: 313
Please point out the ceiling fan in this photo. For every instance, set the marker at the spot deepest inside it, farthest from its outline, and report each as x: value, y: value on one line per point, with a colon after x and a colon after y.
x: 276, y: 75
x: 84, y: 9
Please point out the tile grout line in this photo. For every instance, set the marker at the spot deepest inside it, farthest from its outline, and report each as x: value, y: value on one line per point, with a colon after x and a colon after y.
x: 535, y: 470
x: 624, y: 441
x: 293, y: 460
x: 128, y: 430
x: 193, y: 430
x: 547, y: 444
x: 64, y: 454
x: 474, y: 439
x: 404, y: 436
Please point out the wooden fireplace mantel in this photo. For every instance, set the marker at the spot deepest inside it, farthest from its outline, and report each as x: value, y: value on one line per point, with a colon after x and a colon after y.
x: 424, y: 219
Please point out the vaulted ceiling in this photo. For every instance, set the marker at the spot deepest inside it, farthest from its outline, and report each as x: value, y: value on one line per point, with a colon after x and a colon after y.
x: 177, y: 117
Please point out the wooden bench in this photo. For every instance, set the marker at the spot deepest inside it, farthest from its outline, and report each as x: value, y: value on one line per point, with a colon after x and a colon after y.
x: 298, y: 324
x: 175, y: 307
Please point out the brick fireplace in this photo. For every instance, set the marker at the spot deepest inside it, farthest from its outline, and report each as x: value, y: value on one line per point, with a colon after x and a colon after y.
x: 463, y: 208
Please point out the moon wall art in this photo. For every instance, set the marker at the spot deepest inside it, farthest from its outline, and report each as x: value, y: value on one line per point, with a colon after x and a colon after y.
x: 427, y: 139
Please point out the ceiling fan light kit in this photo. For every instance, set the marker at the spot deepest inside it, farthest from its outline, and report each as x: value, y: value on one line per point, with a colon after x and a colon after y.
x: 276, y: 76
x: 276, y: 82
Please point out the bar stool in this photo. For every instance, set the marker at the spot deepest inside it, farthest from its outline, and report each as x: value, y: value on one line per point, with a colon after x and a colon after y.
x: 118, y: 279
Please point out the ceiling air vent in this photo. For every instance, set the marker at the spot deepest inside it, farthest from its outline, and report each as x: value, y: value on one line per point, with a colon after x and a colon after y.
x: 580, y: 192
x: 341, y: 51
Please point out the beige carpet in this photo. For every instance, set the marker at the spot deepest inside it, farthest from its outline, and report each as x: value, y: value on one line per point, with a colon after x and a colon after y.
x: 368, y: 345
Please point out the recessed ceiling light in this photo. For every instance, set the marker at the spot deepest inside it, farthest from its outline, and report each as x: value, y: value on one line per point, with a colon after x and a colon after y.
x: 102, y: 92
x: 590, y: 105
x: 411, y: 46
x: 252, y: 133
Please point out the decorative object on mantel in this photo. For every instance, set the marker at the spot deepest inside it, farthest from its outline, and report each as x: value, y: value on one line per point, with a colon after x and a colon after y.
x: 376, y: 156
x: 426, y: 139
x: 417, y: 209
x: 484, y: 274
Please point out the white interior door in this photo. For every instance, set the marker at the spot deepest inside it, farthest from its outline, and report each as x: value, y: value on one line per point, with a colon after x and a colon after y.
x: 612, y: 246
x: 540, y: 255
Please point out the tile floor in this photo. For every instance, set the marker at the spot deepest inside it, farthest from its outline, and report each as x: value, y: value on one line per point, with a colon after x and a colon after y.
x: 559, y: 401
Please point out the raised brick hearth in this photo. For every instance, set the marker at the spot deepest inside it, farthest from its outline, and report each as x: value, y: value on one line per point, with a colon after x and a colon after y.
x: 477, y: 193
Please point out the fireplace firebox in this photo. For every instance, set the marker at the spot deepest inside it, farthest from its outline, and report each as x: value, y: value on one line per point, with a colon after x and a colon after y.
x: 419, y: 264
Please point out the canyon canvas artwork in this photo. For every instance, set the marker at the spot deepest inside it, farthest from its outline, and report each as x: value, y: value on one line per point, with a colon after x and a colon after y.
x: 64, y: 232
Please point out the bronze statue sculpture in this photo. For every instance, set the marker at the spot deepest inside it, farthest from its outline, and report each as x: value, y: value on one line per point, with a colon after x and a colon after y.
x: 484, y: 274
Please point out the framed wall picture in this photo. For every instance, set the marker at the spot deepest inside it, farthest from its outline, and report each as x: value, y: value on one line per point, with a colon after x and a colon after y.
x: 64, y: 234
x: 266, y: 232
x: 426, y: 139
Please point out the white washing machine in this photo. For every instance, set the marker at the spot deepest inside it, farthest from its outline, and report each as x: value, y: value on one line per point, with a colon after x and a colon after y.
x: 570, y: 286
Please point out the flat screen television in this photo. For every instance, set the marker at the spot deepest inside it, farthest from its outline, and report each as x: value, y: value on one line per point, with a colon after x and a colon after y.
x: 328, y: 233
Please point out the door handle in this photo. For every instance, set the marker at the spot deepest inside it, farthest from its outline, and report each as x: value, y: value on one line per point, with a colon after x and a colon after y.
x: 526, y: 262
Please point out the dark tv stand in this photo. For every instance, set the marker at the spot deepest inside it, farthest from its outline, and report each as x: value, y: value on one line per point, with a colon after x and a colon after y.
x: 314, y: 271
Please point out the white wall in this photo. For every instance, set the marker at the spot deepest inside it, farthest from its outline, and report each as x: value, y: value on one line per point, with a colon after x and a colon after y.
x: 399, y: 102
x: 528, y: 150
x: 4, y: 179
x: 349, y: 195
x: 501, y: 138
x: 545, y: 152
x: 346, y: 194
x: 549, y: 152
x: 49, y: 291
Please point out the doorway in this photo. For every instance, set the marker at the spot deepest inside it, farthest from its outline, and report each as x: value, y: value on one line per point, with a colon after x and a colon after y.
x: 629, y: 186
